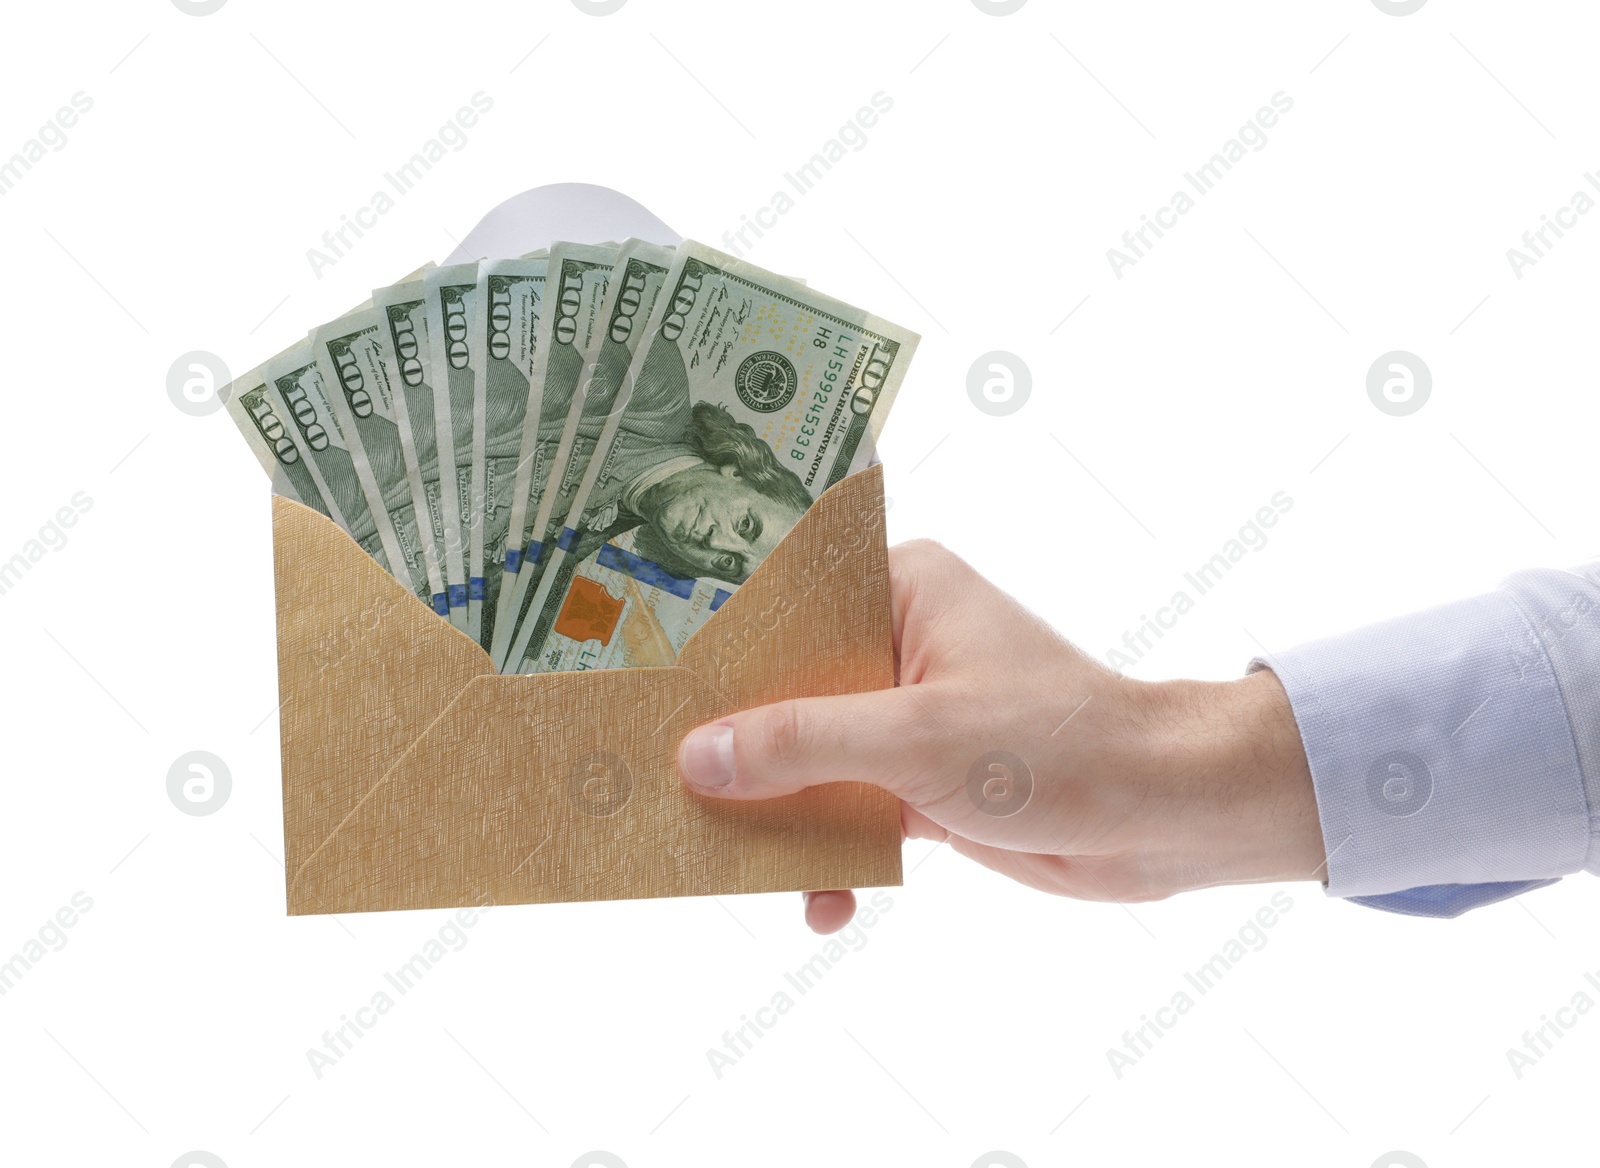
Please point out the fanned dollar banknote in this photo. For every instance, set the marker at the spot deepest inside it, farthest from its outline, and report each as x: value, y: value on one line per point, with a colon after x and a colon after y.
x: 579, y: 277
x: 295, y: 386
x: 403, y: 309
x: 576, y: 456
x: 642, y: 270
x: 513, y: 295
x: 451, y: 297
x: 356, y: 366
x: 749, y: 396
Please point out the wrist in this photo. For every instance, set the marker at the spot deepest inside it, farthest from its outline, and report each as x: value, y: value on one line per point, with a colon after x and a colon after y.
x: 1229, y: 757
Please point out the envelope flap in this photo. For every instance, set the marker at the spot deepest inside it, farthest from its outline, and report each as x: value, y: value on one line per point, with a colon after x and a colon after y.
x: 563, y: 786
x: 415, y: 776
x: 357, y: 651
x: 814, y: 617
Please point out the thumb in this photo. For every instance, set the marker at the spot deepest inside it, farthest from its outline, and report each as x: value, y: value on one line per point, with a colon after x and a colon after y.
x: 787, y: 746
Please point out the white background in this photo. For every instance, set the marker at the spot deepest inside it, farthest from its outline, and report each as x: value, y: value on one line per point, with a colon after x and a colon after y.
x: 1167, y: 406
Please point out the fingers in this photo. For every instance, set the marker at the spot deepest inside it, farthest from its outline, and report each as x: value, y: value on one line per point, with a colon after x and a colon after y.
x: 915, y: 825
x: 828, y: 912
x: 782, y: 748
x: 924, y: 579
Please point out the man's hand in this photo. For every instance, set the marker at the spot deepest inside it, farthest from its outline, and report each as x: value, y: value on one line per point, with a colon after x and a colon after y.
x: 1032, y: 758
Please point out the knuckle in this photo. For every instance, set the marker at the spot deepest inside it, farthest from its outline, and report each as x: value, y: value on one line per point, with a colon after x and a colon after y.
x: 916, y: 720
x: 926, y: 557
x: 921, y: 550
x: 929, y: 579
x: 914, y: 734
x: 782, y: 736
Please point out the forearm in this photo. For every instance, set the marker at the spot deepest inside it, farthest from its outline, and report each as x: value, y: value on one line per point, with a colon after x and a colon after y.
x: 1232, y: 782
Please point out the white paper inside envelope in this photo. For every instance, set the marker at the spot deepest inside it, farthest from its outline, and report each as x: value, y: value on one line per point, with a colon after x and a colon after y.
x: 575, y: 212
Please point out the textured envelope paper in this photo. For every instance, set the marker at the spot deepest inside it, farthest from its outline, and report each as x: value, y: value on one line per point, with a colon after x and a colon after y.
x: 414, y: 776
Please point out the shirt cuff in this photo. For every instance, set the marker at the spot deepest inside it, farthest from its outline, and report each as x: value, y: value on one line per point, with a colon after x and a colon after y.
x: 1440, y: 753
x: 1564, y: 609
x: 1449, y: 900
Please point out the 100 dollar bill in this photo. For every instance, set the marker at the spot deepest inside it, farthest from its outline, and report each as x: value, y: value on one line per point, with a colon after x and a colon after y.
x: 259, y: 417
x: 451, y: 298
x: 355, y: 364
x: 631, y: 293
x: 297, y: 391
x: 513, y: 294
x: 750, y: 395
x: 281, y: 446
x: 405, y: 321
x: 579, y: 275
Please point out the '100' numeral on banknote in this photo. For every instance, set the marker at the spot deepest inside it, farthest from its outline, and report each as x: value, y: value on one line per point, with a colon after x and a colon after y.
x: 749, y: 397
x: 576, y: 457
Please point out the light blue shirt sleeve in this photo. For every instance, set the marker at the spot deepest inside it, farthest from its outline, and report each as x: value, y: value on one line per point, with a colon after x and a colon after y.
x: 1455, y: 752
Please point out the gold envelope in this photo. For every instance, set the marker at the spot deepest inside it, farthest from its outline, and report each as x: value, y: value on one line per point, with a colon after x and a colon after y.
x: 415, y: 776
